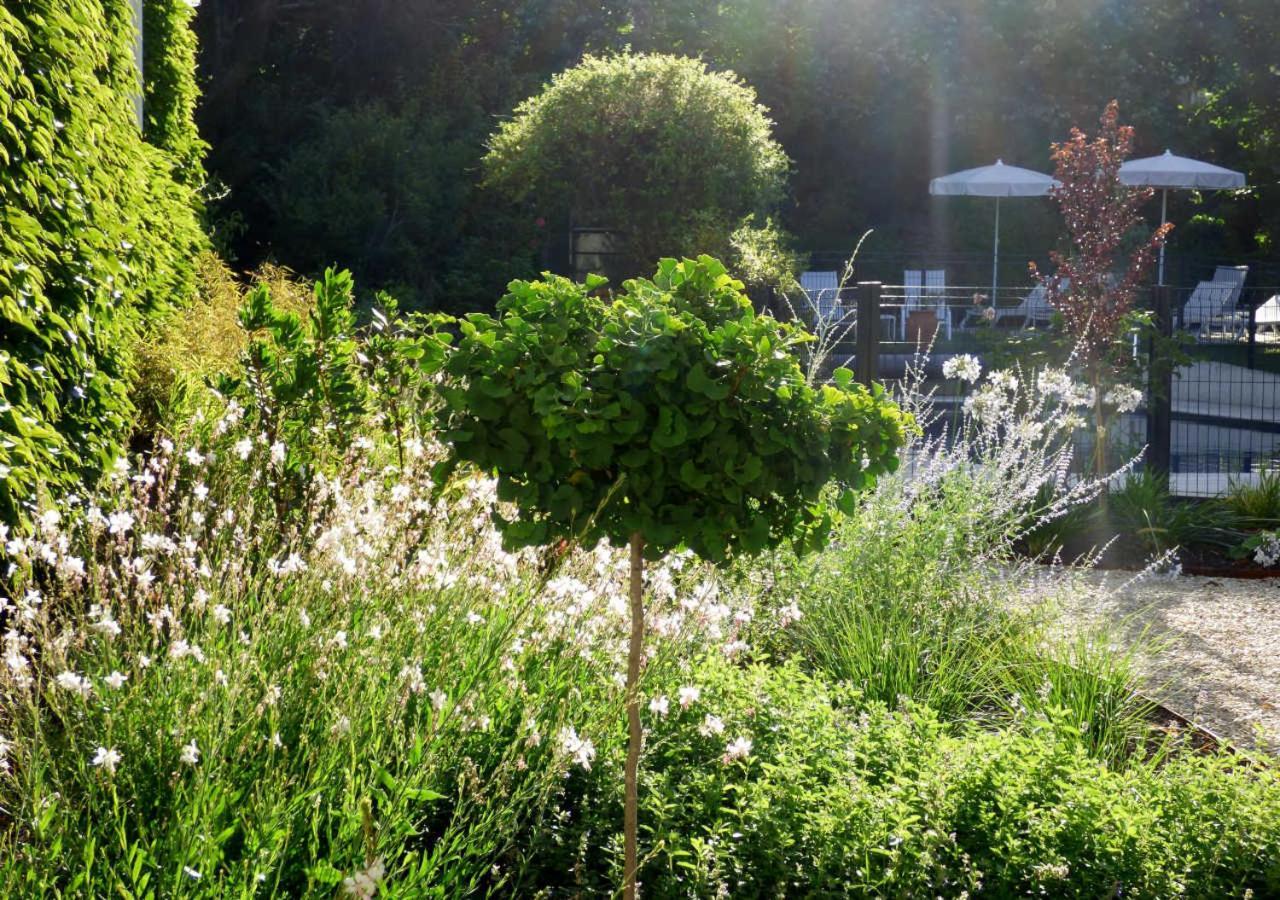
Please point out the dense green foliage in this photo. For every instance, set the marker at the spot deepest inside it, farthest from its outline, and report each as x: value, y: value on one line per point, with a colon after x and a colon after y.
x: 170, y: 92
x: 669, y: 409
x: 841, y: 797
x: 201, y: 698
x: 665, y: 155
x: 95, y: 235
x: 870, y: 101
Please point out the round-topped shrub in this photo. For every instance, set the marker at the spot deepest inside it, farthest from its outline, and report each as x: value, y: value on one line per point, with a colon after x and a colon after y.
x: 668, y: 414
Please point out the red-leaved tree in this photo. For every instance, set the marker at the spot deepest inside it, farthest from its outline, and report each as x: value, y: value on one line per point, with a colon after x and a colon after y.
x: 1094, y: 284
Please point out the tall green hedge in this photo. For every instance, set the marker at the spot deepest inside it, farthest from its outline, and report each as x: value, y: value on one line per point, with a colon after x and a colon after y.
x: 96, y: 234
x: 169, y: 66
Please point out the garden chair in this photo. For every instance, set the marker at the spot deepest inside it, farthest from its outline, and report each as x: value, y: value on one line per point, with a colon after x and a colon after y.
x: 912, y: 294
x: 935, y: 294
x: 1033, y: 308
x: 822, y: 289
x: 1213, y: 303
x: 1268, y: 314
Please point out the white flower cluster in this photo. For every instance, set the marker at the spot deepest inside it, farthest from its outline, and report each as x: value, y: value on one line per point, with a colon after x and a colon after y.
x: 1124, y: 398
x: 1267, y: 552
x: 964, y: 366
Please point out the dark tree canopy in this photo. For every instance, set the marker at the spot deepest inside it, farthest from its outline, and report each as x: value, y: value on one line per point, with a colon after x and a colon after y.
x: 870, y: 100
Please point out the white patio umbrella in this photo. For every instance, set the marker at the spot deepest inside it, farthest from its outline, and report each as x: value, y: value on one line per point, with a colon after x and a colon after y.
x: 1169, y: 171
x: 997, y: 181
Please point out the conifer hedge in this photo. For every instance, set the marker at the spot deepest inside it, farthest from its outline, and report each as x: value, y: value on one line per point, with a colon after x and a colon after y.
x: 98, y: 230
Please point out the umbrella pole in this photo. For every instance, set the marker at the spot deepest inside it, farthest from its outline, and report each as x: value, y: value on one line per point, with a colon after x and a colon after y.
x: 995, y: 258
x: 1164, y: 200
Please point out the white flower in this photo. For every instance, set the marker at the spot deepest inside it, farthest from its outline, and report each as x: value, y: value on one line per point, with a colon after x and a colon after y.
x: 119, y: 522
x: 191, y: 873
x: 364, y: 885
x: 438, y: 699
x: 180, y: 649
x: 789, y: 614
x: 965, y: 367
x: 1004, y: 380
x: 49, y: 520
x: 106, y: 759
x: 277, y: 453
x: 659, y: 706
x: 190, y: 756
x: 193, y: 457
x: 243, y: 448
x: 987, y: 404
x: 106, y: 625
x: 738, y: 748
x: 688, y: 695
x: 115, y: 680
x: 1268, y: 550
x: 1124, y: 398
x: 78, y: 684
x: 580, y: 749
x: 711, y: 725
x: 221, y: 614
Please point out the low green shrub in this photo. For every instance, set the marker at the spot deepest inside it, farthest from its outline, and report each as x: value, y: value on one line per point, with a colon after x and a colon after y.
x: 825, y: 801
x: 182, y: 349
x: 1257, y: 503
x: 911, y: 602
x: 1147, y: 520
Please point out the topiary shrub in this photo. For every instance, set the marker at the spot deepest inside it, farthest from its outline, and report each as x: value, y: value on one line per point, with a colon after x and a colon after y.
x: 95, y: 235
x: 667, y: 415
x: 671, y: 157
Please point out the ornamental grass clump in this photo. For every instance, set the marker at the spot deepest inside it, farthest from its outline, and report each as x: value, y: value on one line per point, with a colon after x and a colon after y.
x: 668, y: 414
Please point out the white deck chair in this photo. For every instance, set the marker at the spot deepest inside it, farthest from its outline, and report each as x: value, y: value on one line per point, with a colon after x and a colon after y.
x: 935, y: 294
x: 1033, y: 308
x: 1268, y: 314
x: 1212, y: 303
x: 1231, y: 273
x: 823, y: 291
x: 912, y: 295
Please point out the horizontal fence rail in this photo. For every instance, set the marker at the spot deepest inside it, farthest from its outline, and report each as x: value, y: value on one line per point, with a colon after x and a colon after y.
x: 1211, y: 415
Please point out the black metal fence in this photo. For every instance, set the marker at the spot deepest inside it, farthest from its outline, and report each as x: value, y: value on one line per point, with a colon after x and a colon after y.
x: 1211, y: 414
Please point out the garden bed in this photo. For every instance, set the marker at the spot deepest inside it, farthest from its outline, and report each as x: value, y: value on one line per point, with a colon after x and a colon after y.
x: 1218, y: 639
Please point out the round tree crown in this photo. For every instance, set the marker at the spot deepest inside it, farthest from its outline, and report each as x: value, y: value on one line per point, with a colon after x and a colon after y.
x: 670, y: 409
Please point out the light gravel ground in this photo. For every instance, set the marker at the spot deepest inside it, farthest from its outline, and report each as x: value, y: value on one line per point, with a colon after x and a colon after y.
x: 1220, y: 662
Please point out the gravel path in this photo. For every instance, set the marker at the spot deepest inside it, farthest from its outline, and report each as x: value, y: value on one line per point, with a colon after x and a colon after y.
x: 1220, y: 663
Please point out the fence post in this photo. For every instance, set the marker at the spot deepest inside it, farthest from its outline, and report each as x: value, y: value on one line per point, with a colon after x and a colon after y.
x: 1250, y: 359
x: 1160, y: 387
x: 867, y: 346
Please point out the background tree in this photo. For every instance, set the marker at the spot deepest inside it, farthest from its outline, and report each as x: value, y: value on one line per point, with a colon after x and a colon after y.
x: 668, y: 156
x: 870, y: 101
x: 1096, y: 282
x: 672, y: 415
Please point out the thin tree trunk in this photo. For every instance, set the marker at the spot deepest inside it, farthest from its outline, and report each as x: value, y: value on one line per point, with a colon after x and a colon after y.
x: 631, y: 816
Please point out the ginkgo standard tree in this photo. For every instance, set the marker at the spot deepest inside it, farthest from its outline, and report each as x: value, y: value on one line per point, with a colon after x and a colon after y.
x: 668, y: 414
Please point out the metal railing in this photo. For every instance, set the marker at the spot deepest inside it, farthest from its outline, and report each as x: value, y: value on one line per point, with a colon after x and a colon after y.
x: 1212, y: 410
